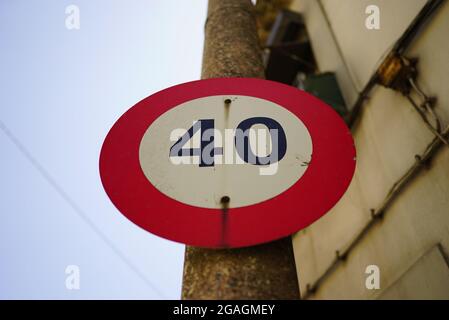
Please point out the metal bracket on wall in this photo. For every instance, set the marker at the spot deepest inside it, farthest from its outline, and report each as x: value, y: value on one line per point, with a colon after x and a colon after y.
x: 395, y: 72
x: 399, y: 73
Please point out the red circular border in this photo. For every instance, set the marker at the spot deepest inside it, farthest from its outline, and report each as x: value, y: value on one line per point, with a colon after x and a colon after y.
x: 315, y: 193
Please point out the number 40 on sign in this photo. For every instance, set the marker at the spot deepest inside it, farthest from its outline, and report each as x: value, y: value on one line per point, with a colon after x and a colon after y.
x: 258, y: 141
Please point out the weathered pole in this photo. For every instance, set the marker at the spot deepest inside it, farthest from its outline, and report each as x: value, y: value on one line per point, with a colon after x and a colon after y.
x: 265, y: 271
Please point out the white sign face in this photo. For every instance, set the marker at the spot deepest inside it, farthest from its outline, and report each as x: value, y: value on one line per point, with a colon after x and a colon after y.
x: 195, y: 153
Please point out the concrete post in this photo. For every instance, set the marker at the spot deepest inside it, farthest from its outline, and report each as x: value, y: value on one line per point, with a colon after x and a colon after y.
x: 261, y: 272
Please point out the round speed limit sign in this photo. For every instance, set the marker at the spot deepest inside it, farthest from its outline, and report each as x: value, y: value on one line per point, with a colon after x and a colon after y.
x: 227, y: 162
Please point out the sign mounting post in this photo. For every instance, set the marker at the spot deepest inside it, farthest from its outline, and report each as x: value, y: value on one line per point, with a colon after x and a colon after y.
x: 230, y: 31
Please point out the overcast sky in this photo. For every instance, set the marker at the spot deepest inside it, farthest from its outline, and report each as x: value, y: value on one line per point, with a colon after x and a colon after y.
x: 61, y: 90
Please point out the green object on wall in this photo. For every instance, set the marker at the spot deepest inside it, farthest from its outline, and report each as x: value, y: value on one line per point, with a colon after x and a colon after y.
x: 325, y: 87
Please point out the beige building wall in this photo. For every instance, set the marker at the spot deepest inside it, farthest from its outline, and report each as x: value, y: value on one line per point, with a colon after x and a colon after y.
x: 410, y: 244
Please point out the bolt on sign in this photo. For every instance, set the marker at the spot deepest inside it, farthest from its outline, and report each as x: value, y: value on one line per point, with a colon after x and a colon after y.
x: 228, y: 162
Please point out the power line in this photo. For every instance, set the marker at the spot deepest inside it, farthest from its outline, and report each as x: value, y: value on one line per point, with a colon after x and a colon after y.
x: 64, y: 195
